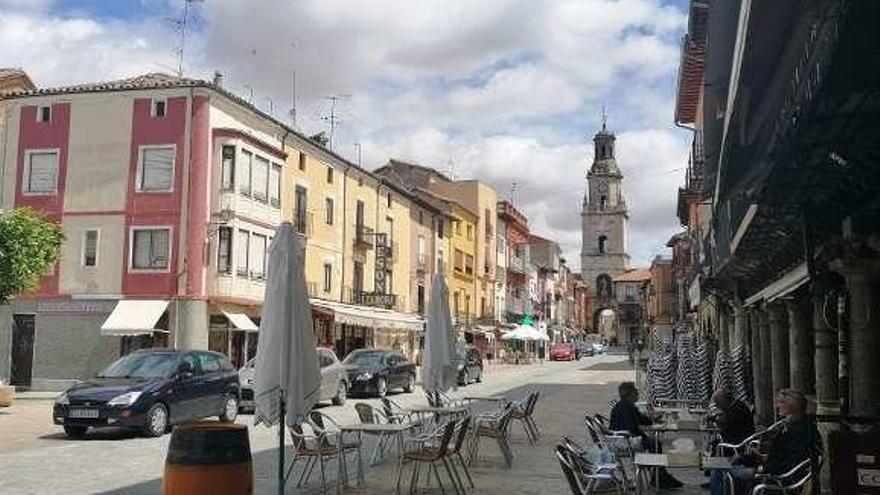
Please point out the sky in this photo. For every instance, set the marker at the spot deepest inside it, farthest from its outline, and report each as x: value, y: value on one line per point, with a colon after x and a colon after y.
x: 504, y: 91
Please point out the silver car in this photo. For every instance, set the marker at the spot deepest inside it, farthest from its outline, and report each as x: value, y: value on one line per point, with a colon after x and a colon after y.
x: 334, y: 380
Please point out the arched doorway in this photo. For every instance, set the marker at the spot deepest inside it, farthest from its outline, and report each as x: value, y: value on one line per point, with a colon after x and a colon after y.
x: 605, y: 323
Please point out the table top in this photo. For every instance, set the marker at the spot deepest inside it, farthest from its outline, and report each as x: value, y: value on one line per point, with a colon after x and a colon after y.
x: 493, y: 399
x: 719, y: 463
x: 690, y: 428
x: 681, y: 410
x: 681, y: 460
x: 379, y: 427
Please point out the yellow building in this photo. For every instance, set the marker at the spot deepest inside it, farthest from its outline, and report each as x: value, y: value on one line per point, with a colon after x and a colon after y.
x: 463, y: 267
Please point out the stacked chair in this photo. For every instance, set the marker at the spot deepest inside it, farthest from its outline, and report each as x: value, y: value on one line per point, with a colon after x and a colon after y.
x: 661, y: 373
x: 742, y: 374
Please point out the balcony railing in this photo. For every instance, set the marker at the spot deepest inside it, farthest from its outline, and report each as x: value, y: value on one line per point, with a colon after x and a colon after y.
x: 363, y: 236
x: 516, y: 264
x: 422, y: 262
x: 313, y: 289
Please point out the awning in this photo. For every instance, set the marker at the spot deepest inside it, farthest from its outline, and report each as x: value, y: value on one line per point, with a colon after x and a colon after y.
x: 241, y: 321
x: 366, y: 316
x: 134, y: 317
x: 487, y: 331
x: 783, y: 286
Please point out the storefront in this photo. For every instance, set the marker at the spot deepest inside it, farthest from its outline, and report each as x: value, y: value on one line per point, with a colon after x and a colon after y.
x: 346, y: 327
x: 233, y: 333
x: 140, y: 324
x: 483, y: 338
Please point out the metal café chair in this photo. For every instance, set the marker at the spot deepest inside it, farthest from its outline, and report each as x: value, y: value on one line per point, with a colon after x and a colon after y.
x: 331, y: 429
x: 314, y: 446
x: 370, y: 415
x: 523, y: 412
x: 494, y: 424
x: 615, y: 469
x: 430, y: 454
x: 791, y: 482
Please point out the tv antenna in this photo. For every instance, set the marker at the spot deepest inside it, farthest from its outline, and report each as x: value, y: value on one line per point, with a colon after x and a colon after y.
x: 182, y: 25
x: 450, y: 169
x: 333, y: 117
x: 512, y: 191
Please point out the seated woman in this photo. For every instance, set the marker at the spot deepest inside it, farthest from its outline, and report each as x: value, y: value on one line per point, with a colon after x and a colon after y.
x: 781, y: 450
x: 625, y: 416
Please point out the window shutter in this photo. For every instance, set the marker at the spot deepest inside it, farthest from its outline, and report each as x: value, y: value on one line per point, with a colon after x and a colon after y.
x: 275, y: 185
x: 260, y: 178
x: 244, y: 172
x: 156, y: 169
x: 43, y: 173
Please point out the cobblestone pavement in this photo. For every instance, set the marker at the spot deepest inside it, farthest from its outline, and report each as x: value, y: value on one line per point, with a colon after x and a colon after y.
x: 35, y: 457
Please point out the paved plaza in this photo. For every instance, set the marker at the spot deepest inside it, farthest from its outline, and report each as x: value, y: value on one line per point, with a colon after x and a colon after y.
x: 35, y: 457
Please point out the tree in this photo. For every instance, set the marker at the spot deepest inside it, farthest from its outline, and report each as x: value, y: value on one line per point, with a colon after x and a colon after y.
x: 29, y: 247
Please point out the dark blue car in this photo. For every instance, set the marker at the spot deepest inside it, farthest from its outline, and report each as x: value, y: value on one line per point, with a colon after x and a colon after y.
x: 150, y: 390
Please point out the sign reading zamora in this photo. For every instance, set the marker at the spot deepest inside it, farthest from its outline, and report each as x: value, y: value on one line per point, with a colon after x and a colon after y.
x: 76, y: 306
x: 855, y: 462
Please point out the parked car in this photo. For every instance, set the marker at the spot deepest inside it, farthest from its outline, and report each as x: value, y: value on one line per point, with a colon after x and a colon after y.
x: 599, y: 348
x: 334, y: 380
x: 376, y: 371
x: 150, y: 390
x: 585, y: 349
x: 562, y: 352
x: 470, y: 365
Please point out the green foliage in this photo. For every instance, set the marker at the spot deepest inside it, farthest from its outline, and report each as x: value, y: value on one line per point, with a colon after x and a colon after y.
x: 320, y: 138
x: 29, y: 247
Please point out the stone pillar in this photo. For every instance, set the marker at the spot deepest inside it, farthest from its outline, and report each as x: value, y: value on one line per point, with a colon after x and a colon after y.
x: 827, y: 396
x: 763, y: 376
x: 801, y: 345
x: 778, y: 322
x: 740, y: 321
x: 863, y: 283
x: 188, y: 322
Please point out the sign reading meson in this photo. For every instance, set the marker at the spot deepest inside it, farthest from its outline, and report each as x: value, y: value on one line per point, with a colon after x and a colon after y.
x: 855, y: 462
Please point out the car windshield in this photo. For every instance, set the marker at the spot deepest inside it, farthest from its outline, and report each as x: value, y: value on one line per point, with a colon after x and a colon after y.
x: 141, y: 365
x: 364, y: 358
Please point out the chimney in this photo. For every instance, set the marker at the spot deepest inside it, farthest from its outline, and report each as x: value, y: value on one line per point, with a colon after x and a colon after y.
x: 218, y: 79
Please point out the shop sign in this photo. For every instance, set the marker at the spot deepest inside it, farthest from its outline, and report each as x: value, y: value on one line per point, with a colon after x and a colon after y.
x: 855, y: 462
x: 76, y: 306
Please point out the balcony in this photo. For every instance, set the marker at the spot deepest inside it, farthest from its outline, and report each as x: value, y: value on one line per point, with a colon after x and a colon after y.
x: 517, y: 265
x: 363, y: 236
x: 302, y: 223
x: 392, y: 252
x: 422, y: 263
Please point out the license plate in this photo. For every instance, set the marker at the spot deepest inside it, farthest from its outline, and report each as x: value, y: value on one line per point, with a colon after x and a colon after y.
x: 83, y: 413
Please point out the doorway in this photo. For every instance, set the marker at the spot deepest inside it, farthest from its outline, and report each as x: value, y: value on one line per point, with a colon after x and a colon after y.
x: 22, y: 350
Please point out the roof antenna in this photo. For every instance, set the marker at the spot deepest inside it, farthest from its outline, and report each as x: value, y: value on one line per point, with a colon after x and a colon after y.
x: 450, y: 171
x: 182, y: 26
x: 512, y: 191
x: 333, y: 118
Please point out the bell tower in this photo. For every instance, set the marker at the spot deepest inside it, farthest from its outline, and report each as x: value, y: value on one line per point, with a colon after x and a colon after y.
x: 604, y: 217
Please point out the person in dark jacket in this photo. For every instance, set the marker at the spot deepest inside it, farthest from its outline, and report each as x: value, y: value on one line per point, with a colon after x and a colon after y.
x: 791, y: 442
x: 734, y: 419
x: 625, y: 416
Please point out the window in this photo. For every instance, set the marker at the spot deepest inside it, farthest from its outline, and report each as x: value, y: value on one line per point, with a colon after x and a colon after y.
x: 150, y: 249
x: 440, y: 263
x: 420, y: 298
x: 299, y: 212
x: 328, y: 277
x: 459, y: 260
x: 359, y: 218
x: 388, y: 200
x: 275, y: 185
x: 41, y: 174
x: 358, y: 277
x: 209, y: 362
x: 227, y: 168
x: 488, y: 220
x: 260, y: 179
x: 242, y: 249
x: 440, y: 228
x: 244, y: 172
x: 468, y: 264
x: 90, y: 248
x: 328, y: 211
x: 470, y: 231
x: 257, y: 258
x: 329, y: 175
x: 423, y: 250
x: 455, y: 304
x: 224, y: 250
x: 44, y: 114
x: 156, y: 169
x: 482, y: 306
x: 603, y: 242
x: 603, y: 203
x: 302, y: 161
x: 158, y: 108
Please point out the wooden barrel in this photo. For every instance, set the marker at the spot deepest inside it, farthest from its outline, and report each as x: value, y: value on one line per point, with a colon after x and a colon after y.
x: 209, y: 458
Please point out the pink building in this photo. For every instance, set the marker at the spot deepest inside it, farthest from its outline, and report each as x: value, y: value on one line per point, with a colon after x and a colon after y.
x: 139, y: 174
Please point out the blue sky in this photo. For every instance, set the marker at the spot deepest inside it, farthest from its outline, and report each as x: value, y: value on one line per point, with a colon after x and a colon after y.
x: 506, y: 90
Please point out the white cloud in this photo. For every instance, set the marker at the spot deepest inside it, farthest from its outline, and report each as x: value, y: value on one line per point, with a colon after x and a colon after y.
x: 503, y: 90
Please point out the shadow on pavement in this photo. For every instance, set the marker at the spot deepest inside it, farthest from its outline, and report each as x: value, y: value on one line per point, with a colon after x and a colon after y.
x: 614, y: 366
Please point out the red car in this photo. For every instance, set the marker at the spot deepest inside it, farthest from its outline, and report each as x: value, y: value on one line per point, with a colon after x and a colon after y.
x: 563, y: 352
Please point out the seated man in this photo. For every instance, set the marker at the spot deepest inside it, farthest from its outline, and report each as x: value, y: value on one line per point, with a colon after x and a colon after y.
x: 625, y: 416
x: 734, y: 418
x: 782, y: 449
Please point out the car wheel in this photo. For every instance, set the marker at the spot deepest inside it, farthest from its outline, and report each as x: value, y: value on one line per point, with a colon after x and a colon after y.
x: 341, y: 394
x: 155, y: 421
x: 479, y: 378
x: 381, y: 387
x: 410, y: 384
x: 230, y: 409
x: 75, y: 431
